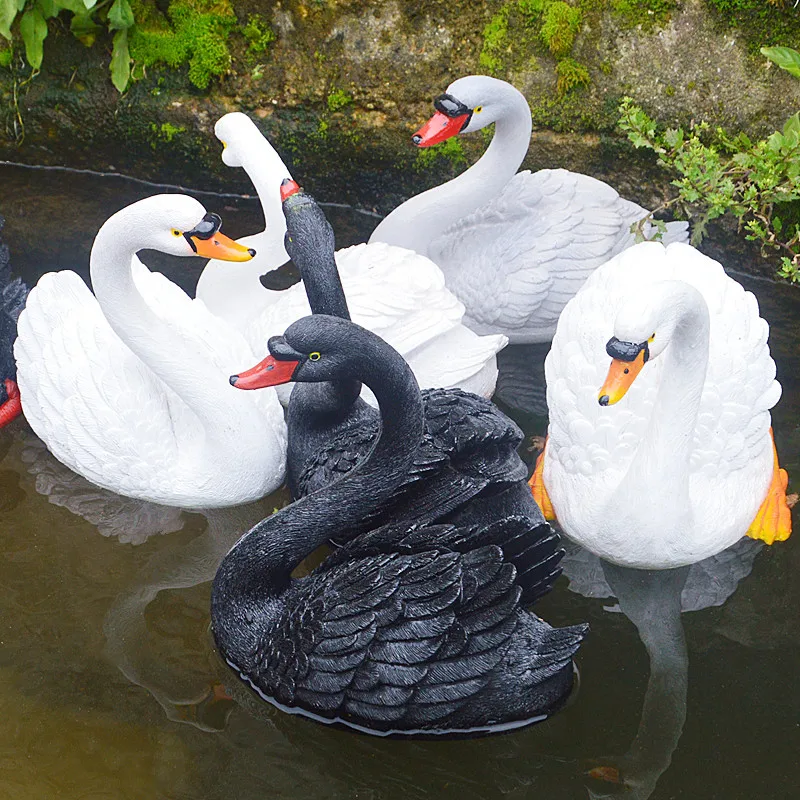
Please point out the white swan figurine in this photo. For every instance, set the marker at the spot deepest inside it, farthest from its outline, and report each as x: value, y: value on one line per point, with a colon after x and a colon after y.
x: 128, y: 387
x: 666, y: 456
x: 393, y: 292
x: 514, y: 247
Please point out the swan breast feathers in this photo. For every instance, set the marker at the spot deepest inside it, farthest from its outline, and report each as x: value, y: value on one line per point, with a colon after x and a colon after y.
x: 105, y: 413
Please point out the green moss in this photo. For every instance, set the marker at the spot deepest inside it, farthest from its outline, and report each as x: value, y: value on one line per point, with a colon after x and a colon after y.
x: 559, y: 26
x: 494, y: 41
x: 165, y: 132
x: 5, y: 55
x: 761, y: 22
x: 571, y: 75
x: 258, y: 33
x: 449, y: 150
x: 647, y: 13
x: 198, y: 34
x: 338, y: 99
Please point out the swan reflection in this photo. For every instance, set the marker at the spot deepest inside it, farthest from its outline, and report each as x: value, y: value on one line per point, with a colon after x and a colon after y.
x: 653, y: 600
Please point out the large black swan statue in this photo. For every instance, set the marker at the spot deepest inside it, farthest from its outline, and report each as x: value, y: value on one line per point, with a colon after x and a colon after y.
x: 13, y: 293
x: 466, y: 468
x: 405, y: 629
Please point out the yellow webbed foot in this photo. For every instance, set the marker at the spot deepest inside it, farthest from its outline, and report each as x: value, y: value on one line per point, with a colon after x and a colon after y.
x: 537, y: 488
x: 773, y: 522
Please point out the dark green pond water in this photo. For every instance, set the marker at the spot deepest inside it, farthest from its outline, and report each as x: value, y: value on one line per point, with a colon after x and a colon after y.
x: 110, y: 688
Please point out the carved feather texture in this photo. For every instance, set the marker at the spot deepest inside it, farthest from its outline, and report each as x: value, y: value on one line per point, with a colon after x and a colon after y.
x: 402, y: 297
x: 396, y: 633
x: 103, y: 413
x: 590, y: 447
x: 533, y: 246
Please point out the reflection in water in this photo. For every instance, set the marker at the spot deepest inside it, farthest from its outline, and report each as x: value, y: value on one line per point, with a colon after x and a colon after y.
x: 184, y: 695
x: 654, y: 600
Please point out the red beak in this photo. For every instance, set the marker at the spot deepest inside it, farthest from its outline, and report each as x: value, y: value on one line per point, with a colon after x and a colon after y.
x: 268, y: 372
x: 288, y: 188
x: 12, y: 408
x: 438, y: 128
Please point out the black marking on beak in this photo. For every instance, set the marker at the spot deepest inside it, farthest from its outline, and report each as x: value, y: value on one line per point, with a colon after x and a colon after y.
x: 626, y: 351
x: 205, y: 229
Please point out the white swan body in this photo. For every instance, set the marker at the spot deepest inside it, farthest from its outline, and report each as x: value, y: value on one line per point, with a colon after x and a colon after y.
x: 514, y: 247
x: 129, y: 388
x: 677, y: 470
x: 394, y: 292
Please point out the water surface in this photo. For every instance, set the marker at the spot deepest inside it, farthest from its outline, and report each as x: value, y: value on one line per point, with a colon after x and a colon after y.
x: 110, y: 686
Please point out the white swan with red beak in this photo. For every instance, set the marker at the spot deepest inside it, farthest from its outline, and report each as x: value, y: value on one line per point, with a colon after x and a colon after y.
x: 128, y: 386
x: 514, y: 246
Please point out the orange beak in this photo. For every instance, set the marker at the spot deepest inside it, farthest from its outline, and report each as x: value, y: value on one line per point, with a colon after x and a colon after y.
x: 621, y: 375
x: 221, y: 247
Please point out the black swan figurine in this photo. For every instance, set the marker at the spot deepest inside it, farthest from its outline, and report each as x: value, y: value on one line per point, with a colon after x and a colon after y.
x: 466, y: 469
x: 13, y: 293
x: 404, y: 629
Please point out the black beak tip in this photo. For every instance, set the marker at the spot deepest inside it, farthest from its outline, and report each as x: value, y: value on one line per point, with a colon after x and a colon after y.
x: 603, y: 399
x: 234, y: 379
x: 416, y: 139
x: 251, y: 251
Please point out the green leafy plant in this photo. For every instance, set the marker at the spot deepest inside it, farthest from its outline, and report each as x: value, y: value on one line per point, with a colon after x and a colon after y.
x: 757, y: 182
x: 785, y: 58
x: 494, y: 41
x: 88, y: 17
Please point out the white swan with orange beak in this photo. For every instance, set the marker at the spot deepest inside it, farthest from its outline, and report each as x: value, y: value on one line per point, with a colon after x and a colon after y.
x: 128, y: 386
x: 665, y: 456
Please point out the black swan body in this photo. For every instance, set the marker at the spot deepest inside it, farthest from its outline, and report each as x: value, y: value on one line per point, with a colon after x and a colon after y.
x: 466, y: 469
x: 405, y: 629
x: 13, y: 293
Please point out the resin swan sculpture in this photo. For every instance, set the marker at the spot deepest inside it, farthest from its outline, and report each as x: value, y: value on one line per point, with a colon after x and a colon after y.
x: 128, y: 388
x: 13, y: 293
x: 393, y: 292
x: 405, y: 629
x: 514, y: 247
x: 666, y: 456
x: 467, y: 466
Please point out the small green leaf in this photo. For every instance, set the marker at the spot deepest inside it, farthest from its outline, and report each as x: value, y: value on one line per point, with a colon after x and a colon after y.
x: 120, y: 61
x: 89, y: 4
x: 120, y: 17
x: 785, y: 58
x: 34, y: 31
x: 8, y: 12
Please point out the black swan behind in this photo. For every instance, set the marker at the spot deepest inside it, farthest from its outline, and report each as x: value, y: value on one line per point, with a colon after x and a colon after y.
x: 406, y: 629
x: 466, y: 468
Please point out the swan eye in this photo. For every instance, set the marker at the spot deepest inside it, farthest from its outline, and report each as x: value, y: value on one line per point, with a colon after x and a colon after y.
x: 224, y: 144
x: 314, y: 356
x: 651, y: 338
x: 477, y: 109
x: 176, y: 232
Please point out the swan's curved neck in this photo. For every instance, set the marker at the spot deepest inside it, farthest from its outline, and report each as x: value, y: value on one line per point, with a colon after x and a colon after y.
x: 259, y: 565
x: 660, y: 468
x: 234, y: 291
x: 420, y: 220
x: 173, y: 357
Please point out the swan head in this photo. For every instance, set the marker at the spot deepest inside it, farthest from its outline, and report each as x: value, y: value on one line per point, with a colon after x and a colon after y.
x: 469, y: 104
x: 238, y: 134
x: 644, y: 326
x: 314, y: 349
x: 178, y: 225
